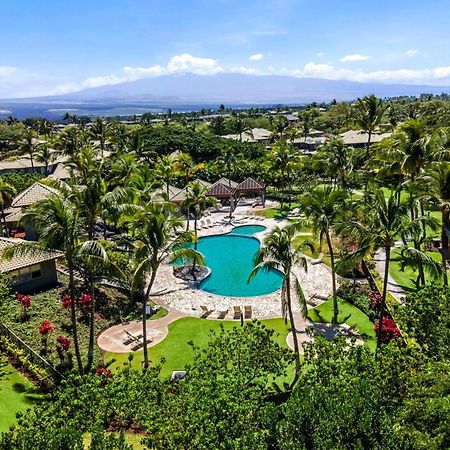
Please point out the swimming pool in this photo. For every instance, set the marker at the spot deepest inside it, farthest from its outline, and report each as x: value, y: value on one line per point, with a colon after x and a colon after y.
x: 231, y: 259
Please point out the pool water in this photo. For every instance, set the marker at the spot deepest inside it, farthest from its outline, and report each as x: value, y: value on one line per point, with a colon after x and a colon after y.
x: 231, y: 260
x: 247, y: 229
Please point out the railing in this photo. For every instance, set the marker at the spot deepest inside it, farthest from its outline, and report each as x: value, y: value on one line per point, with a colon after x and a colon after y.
x: 34, y: 357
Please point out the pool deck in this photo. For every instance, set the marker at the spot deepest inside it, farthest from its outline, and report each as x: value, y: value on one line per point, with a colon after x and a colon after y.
x: 183, y: 299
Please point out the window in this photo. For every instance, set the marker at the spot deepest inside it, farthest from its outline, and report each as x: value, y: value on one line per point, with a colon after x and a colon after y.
x: 26, y: 274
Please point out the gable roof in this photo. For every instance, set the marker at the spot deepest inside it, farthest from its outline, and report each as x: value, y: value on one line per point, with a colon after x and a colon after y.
x: 33, y: 194
x: 219, y: 190
x: 19, y: 261
x: 353, y: 137
x: 250, y: 184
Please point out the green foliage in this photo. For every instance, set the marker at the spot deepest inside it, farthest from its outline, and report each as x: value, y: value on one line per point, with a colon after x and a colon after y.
x: 21, y: 180
x: 337, y: 404
x: 426, y: 317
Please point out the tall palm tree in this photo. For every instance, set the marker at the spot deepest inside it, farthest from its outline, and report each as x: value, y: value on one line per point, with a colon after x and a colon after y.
x: 241, y: 126
x: 280, y: 252
x: 284, y: 159
x: 280, y: 125
x: 45, y: 155
x: 324, y: 209
x: 437, y: 179
x: 336, y: 158
x: 60, y: 226
x: 153, y: 228
x: 99, y: 131
x: 7, y: 193
x: 28, y: 145
x: 384, y: 221
x: 165, y: 170
x: 369, y: 114
x: 197, y: 202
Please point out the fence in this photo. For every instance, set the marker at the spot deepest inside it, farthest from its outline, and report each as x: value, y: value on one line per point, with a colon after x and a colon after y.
x: 35, y: 358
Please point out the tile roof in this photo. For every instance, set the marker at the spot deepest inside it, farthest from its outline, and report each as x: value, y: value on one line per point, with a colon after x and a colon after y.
x: 20, y: 261
x: 219, y: 190
x: 33, y: 194
x: 352, y: 137
x: 250, y: 184
x: 227, y: 182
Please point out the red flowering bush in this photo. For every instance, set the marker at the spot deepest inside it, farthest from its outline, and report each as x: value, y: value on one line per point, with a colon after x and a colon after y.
x: 25, y: 303
x: 46, y: 328
x: 389, y: 330
x: 63, y: 343
x: 62, y: 346
x: 67, y: 302
x: 84, y: 300
x: 375, y: 300
x: 102, y: 372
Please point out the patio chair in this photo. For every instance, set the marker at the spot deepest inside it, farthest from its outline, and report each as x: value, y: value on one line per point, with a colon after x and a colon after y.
x: 205, y: 311
x: 222, y: 314
x: 209, y: 224
x: 248, y: 311
x: 237, y: 312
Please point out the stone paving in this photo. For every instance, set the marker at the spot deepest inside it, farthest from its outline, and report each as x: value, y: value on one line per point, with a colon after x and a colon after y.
x: 182, y: 298
x: 172, y: 292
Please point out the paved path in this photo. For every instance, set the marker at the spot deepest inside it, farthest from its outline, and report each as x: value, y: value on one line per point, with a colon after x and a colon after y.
x: 111, y: 340
x: 393, y: 287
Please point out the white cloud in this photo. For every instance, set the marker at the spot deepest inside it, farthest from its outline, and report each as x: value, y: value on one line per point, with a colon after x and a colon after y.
x: 412, y: 52
x: 7, y: 70
x: 320, y: 54
x: 354, y: 57
x: 256, y: 57
x: 193, y: 64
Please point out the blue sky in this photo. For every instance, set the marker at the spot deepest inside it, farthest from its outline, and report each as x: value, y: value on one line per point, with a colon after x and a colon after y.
x: 54, y: 47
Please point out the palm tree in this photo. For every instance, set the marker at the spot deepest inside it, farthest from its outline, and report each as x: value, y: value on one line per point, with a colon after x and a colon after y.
x: 99, y: 131
x: 241, y: 127
x: 45, y: 155
x: 280, y: 125
x: 284, y: 159
x: 324, y: 207
x: 437, y: 179
x: 197, y: 202
x: 385, y: 220
x: 336, y: 158
x: 153, y: 228
x: 60, y: 226
x: 7, y: 193
x: 164, y: 170
x: 279, y: 252
x: 29, y: 145
x: 369, y: 114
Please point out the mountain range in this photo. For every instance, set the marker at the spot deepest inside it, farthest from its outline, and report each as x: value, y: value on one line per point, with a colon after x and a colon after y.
x: 233, y: 88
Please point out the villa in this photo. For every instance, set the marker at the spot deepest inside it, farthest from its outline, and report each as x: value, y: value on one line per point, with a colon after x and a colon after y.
x: 253, y: 136
x: 30, y: 271
x: 359, y: 139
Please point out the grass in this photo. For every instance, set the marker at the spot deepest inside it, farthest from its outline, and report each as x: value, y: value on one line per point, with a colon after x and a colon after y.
x: 349, y: 314
x: 315, y: 254
x: 407, y: 277
x: 17, y: 394
x: 175, y: 348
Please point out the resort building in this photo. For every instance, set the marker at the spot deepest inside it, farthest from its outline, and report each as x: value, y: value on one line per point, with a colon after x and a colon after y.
x: 253, y: 136
x: 359, y: 138
x: 29, y: 271
x: 24, y: 200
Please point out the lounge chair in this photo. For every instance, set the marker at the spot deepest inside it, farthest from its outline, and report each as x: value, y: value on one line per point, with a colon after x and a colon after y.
x: 222, y: 314
x: 209, y: 224
x: 237, y: 312
x: 205, y: 311
x: 248, y: 312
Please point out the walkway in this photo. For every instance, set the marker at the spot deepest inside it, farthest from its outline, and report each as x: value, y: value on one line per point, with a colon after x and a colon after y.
x: 111, y: 340
x: 393, y: 287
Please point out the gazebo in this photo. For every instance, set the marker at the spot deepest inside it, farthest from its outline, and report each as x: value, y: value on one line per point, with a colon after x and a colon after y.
x: 222, y: 192
x: 251, y: 186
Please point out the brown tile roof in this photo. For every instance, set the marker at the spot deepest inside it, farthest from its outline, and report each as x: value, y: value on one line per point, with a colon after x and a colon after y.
x: 219, y: 190
x: 15, y: 214
x: 20, y: 261
x: 33, y: 194
x: 250, y: 184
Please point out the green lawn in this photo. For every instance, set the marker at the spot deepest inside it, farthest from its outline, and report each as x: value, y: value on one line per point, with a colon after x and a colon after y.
x: 17, y: 394
x: 348, y: 314
x: 175, y: 348
x: 407, y: 277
